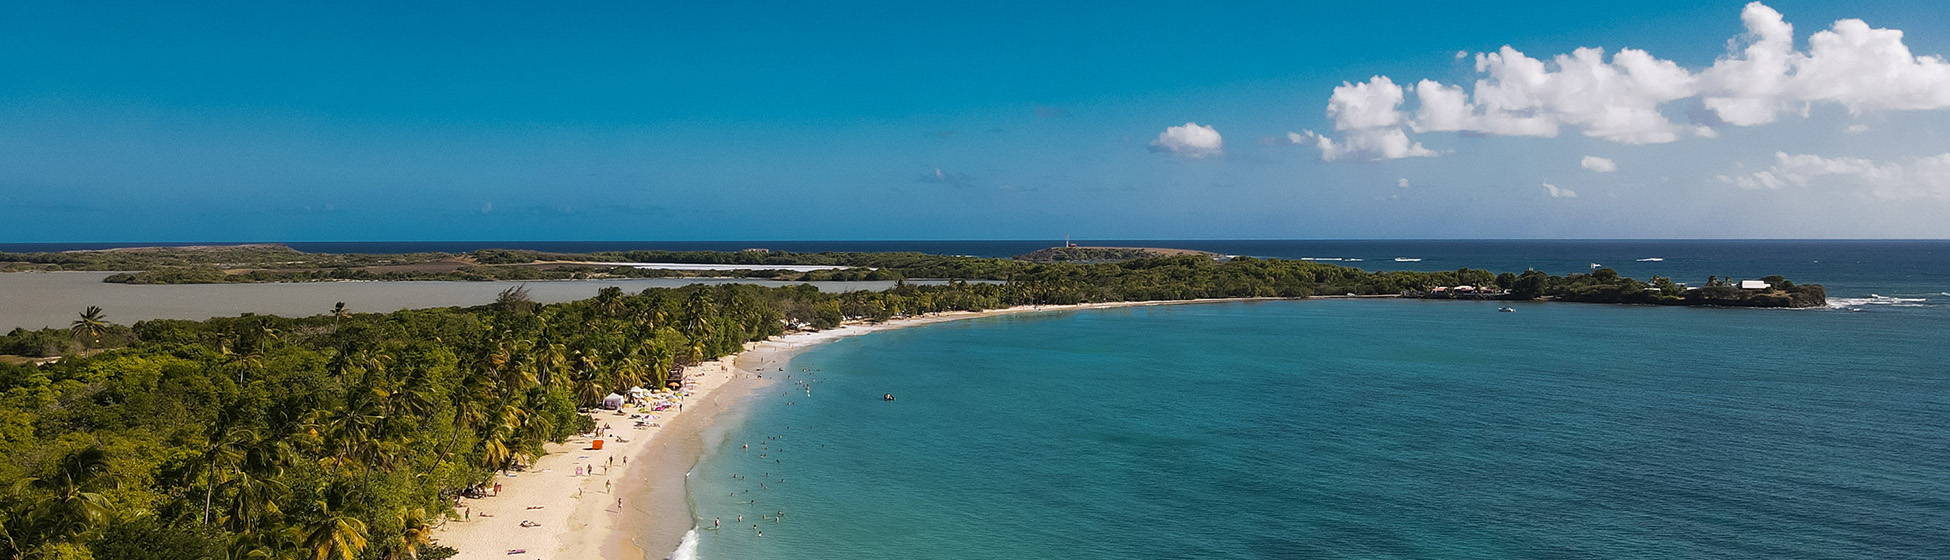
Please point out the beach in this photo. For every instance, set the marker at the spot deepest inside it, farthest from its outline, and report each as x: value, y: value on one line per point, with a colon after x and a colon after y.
x: 634, y: 505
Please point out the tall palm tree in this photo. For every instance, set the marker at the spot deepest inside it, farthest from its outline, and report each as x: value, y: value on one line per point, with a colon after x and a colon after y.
x: 514, y: 300
x: 226, y: 451
x: 92, y: 323
x: 244, y: 361
x: 251, y: 499
x: 337, y: 533
x: 339, y: 313
x: 416, y: 531
x: 71, y: 505
x: 610, y: 301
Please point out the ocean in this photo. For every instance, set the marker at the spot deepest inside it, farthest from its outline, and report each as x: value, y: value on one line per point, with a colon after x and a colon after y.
x: 1374, y: 428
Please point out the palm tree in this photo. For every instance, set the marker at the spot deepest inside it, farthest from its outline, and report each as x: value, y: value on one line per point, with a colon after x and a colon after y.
x: 514, y: 300
x: 71, y: 505
x: 415, y: 531
x: 251, y: 500
x: 226, y: 448
x: 610, y: 300
x: 92, y: 323
x: 336, y: 533
x: 241, y: 361
x: 339, y: 313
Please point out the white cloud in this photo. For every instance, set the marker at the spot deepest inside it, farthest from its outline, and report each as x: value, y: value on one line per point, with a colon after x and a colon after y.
x: 1559, y: 192
x: 1370, y: 123
x: 1402, y: 182
x: 1191, y: 140
x: 1522, y: 96
x: 1620, y: 99
x: 1927, y: 177
x: 1598, y: 164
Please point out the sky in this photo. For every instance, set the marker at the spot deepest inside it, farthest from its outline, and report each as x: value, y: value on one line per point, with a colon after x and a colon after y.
x: 272, y: 121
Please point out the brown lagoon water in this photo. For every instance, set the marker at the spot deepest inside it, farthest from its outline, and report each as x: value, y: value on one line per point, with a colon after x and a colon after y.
x: 52, y: 299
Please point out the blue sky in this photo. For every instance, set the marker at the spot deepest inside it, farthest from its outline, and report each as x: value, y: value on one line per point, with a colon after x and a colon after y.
x: 705, y: 121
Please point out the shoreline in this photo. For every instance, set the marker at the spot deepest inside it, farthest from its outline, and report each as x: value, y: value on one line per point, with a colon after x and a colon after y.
x: 579, y: 516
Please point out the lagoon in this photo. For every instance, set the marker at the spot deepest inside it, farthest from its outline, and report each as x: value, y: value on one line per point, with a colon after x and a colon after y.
x: 35, y: 300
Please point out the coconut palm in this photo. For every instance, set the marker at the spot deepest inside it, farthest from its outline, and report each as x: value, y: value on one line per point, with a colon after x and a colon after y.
x: 415, y: 531
x: 242, y: 362
x: 336, y: 533
x: 226, y: 451
x: 610, y: 301
x: 93, y: 323
x: 250, y: 500
x: 71, y: 505
x: 339, y: 313
x: 514, y: 300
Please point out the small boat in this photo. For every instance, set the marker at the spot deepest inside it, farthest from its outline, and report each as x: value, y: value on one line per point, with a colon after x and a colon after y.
x: 1506, y: 309
x: 887, y: 397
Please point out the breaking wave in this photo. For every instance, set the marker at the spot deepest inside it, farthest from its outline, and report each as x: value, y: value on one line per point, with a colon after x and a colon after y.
x: 1876, y: 299
x: 687, y: 548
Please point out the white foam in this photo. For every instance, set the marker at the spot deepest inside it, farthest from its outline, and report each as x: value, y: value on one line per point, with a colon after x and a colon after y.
x: 687, y: 548
x: 1877, y: 299
x: 1652, y: 259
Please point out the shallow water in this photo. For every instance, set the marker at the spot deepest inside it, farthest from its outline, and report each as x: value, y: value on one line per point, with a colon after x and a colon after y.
x: 1353, y: 429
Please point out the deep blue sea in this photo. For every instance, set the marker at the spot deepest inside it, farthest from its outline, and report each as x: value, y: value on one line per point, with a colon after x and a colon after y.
x: 1375, y: 428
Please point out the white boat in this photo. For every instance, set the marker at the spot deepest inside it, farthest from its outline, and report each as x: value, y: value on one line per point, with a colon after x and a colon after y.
x: 1506, y: 309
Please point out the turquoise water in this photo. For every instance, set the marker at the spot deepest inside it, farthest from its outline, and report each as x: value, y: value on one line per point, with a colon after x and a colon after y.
x: 1352, y: 429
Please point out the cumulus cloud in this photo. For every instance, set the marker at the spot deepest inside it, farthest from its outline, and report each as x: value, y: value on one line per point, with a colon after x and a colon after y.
x: 1368, y: 117
x: 1191, y: 140
x: 1620, y: 98
x: 1559, y: 192
x: 1402, y: 182
x: 1927, y: 177
x: 1598, y: 164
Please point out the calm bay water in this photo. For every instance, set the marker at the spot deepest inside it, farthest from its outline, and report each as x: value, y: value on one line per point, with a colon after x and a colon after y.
x: 1352, y: 429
